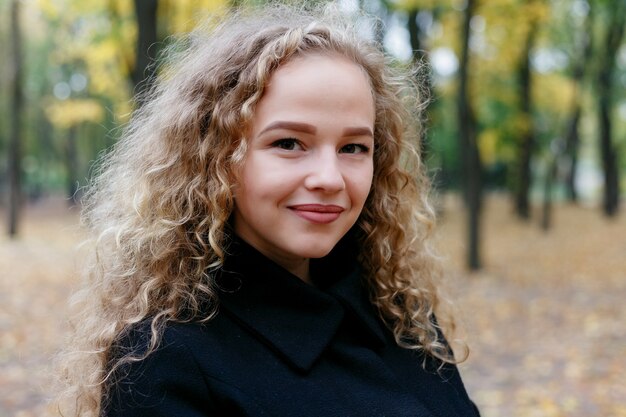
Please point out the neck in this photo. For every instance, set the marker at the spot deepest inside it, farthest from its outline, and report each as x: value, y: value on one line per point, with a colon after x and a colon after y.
x: 297, y: 266
x: 301, y: 270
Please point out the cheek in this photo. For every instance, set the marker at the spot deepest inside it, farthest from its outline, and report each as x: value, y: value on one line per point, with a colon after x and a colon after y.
x: 261, y: 183
x: 361, y: 185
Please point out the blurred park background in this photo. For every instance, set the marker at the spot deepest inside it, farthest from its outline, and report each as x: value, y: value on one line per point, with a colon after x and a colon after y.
x: 526, y: 145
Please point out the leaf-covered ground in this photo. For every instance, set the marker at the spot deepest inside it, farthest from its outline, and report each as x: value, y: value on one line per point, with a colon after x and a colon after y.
x: 545, y: 320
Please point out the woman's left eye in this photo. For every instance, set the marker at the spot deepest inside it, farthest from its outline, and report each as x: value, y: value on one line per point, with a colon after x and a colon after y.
x: 354, y: 148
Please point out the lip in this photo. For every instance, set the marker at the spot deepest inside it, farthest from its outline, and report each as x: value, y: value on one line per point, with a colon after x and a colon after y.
x: 318, y: 213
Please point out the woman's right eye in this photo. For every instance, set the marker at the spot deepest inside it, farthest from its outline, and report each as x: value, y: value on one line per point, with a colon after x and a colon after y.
x: 288, y: 144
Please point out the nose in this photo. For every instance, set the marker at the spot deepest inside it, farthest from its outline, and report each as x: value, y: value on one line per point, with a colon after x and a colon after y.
x: 325, y: 173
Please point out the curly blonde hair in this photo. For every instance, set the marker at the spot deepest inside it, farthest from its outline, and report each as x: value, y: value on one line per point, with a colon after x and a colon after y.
x: 159, y: 205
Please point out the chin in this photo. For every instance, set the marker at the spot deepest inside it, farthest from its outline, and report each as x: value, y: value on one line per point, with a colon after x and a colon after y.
x: 316, y: 252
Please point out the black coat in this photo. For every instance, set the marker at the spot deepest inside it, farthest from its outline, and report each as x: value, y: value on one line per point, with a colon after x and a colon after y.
x: 281, y: 347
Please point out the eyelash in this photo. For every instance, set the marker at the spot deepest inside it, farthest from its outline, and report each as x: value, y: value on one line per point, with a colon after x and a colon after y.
x: 363, y: 148
x: 285, y: 141
x: 280, y: 143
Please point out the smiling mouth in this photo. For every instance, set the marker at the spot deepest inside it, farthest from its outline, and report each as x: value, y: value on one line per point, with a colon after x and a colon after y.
x: 318, y: 213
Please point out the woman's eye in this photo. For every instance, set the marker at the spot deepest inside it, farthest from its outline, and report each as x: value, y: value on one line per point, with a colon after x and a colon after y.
x: 354, y: 148
x: 288, y: 144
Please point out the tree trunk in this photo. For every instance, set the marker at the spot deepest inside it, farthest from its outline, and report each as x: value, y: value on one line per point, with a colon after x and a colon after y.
x: 551, y: 172
x: 144, y: 71
x: 15, y: 154
x: 572, y: 135
x: 608, y: 152
x: 420, y: 56
x: 527, y: 140
x: 572, y: 141
x: 71, y: 155
x: 471, y: 165
x: 415, y: 36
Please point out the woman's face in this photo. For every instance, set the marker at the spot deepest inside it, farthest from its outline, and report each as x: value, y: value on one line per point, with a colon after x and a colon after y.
x: 309, y: 165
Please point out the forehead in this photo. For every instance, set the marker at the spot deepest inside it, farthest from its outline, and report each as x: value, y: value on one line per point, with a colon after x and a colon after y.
x: 312, y: 60
x: 312, y: 75
x: 310, y: 85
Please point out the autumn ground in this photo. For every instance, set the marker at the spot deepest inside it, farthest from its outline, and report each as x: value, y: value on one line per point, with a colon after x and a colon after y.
x: 545, y: 320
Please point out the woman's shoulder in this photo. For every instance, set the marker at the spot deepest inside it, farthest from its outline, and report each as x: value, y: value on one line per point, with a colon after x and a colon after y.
x: 152, y: 378
x: 205, y: 343
x: 168, y: 336
x: 146, y: 344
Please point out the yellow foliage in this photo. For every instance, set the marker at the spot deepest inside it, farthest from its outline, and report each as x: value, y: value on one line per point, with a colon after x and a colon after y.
x: 488, y: 145
x: 98, y: 37
x: 553, y: 91
x: 184, y: 15
x: 507, y: 152
x: 451, y: 23
x: 107, y: 74
x: 123, y: 7
x: 508, y: 24
x: 73, y: 112
x: 521, y: 124
x: 48, y: 8
x: 538, y: 10
x: 102, y: 52
x: 127, y: 34
x: 423, y: 4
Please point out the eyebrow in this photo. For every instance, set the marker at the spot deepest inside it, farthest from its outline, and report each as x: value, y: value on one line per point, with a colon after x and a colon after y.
x: 358, y: 131
x: 297, y: 126
x: 307, y: 128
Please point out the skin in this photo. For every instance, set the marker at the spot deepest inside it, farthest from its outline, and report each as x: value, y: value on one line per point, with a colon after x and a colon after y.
x: 309, y: 165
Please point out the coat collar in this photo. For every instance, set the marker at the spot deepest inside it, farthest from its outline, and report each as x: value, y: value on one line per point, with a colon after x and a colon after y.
x: 297, y: 320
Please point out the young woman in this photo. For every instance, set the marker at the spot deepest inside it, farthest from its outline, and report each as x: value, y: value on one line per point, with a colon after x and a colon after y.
x: 262, y: 237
